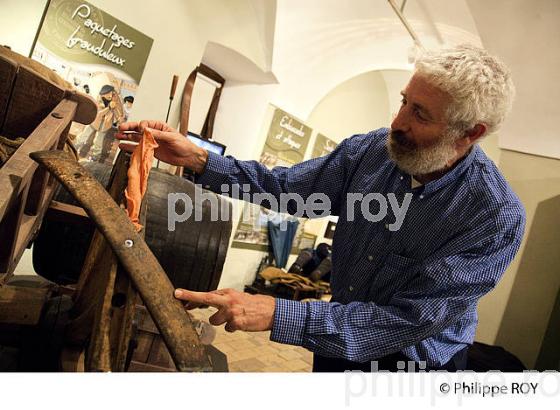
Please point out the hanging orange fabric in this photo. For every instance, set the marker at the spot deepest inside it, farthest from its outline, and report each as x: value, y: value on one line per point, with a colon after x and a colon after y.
x: 138, y: 172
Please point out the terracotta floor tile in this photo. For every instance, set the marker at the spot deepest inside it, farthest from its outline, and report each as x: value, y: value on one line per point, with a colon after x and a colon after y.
x: 307, y: 358
x: 271, y: 359
x: 241, y: 355
x: 249, y: 365
x: 273, y: 369
x: 297, y: 365
x: 290, y: 355
x: 226, y: 348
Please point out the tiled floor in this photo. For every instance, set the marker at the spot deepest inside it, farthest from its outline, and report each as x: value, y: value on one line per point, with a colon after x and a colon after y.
x: 254, y: 352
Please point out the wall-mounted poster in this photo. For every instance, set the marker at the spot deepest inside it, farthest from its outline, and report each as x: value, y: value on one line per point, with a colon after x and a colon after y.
x: 102, y: 57
x: 323, y: 146
x: 285, y: 145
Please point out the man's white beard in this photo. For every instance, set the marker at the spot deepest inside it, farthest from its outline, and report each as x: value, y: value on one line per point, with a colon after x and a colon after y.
x: 416, y: 160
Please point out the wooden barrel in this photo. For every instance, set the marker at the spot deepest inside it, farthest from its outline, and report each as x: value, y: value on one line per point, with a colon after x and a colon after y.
x: 192, y: 255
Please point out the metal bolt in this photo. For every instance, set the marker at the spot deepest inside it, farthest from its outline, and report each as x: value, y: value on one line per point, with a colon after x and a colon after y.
x: 128, y: 243
x: 57, y: 115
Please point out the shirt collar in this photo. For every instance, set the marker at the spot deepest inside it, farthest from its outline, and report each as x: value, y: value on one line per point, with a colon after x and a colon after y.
x: 452, y: 175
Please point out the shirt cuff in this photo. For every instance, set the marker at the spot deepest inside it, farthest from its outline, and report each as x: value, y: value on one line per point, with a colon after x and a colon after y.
x: 216, y: 171
x: 290, y: 319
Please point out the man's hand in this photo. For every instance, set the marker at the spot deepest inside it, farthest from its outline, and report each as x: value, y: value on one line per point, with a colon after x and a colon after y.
x: 174, y: 148
x: 238, y: 310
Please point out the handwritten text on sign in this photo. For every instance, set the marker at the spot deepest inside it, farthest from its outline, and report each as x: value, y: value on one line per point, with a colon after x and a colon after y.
x: 83, y: 11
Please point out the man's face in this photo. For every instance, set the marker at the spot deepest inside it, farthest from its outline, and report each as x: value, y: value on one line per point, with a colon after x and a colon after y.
x: 420, y: 141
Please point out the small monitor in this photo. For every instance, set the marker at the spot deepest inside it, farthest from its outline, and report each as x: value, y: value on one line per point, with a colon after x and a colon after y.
x: 213, y: 146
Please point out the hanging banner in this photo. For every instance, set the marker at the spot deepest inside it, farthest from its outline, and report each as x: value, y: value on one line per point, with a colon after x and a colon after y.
x: 285, y: 145
x: 101, y: 56
x: 323, y: 146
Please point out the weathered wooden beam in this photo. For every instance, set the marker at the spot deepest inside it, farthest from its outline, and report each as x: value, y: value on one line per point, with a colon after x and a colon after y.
x: 143, y: 268
x: 21, y: 305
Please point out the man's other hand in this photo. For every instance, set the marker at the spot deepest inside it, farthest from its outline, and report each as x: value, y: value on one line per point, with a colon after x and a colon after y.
x: 238, y: 310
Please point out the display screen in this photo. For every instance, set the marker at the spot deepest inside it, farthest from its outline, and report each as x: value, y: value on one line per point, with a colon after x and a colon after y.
x: 215, y: 147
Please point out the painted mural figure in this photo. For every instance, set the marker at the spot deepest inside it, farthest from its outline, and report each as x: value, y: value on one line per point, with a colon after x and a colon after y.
x: 95, y: 141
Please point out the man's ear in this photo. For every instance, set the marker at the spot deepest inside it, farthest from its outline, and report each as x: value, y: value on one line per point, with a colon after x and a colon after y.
x: 472, y: 135
x: 476, y: 132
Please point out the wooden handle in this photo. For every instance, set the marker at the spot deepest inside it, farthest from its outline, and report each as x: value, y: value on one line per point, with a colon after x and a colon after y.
x: 173, y: 86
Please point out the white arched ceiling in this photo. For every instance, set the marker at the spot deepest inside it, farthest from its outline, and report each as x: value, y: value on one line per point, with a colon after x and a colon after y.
x: 246, y: 26
x: 360, y: 104
x: 356, y: 106
x: 234, y: 66
x: 322, y: 43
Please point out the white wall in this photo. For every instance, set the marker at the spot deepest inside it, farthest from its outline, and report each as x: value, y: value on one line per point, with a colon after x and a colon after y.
x: 526, y: 35
x: 18, y: 23
x: 516, y: 314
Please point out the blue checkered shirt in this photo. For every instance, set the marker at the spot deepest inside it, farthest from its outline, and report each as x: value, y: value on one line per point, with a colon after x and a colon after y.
x: 414, y: 290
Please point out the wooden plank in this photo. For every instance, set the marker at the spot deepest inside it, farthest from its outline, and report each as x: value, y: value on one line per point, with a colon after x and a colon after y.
x: 59, y: 211
x: 99, y: 349
x: 16, y: 176
x: 85, y: 292
x: 33, y: 98
x: 72, y: 359
x: 40, y: 181
x: 122, y: 315
x: 105, y: 272
x: 45, y: 136
x: 8, y: 70
x: 24, y: 229
x: 159, y: 355
x: 21, y: 305
x: 145, y: 322
x: 123, y: 311
x: 87, y: 107
x: 142, y: 351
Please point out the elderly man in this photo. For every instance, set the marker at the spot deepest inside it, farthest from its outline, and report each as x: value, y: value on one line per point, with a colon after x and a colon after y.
x: 405, y: 295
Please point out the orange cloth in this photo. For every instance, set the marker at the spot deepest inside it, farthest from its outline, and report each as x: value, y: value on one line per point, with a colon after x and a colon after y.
x: 138, y: 172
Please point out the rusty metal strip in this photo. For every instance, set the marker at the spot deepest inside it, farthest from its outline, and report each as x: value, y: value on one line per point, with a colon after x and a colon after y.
x: 145, y: 271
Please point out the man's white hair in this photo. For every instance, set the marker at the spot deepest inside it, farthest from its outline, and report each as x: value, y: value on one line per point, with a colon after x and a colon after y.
x: 479, y: 84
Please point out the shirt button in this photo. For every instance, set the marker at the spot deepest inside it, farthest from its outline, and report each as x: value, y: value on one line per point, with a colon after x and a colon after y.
x: 421, y: 196
x: 386, y: 226
x: 351, y: 288
x: 206, y: 186
x: 370, y: 258
x: 402, y: 177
